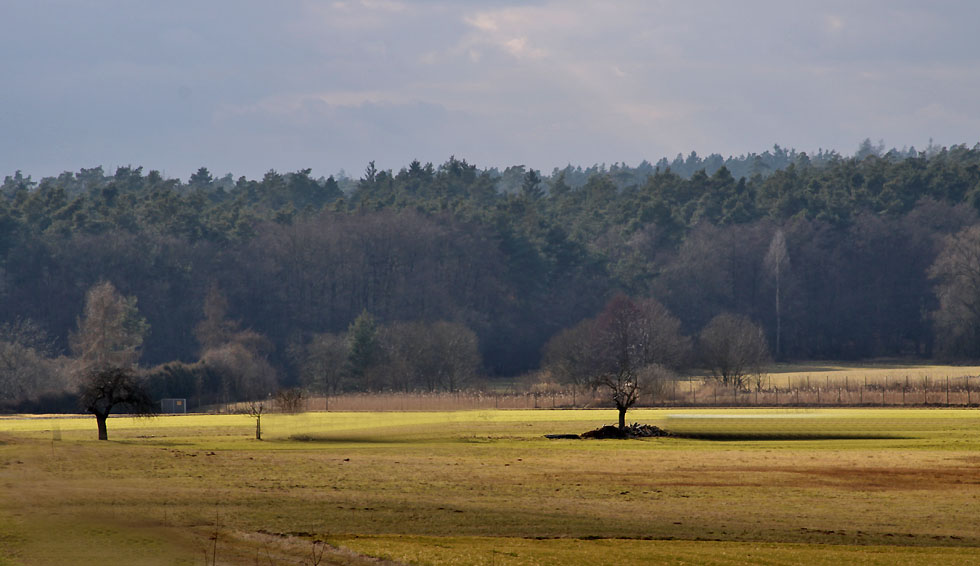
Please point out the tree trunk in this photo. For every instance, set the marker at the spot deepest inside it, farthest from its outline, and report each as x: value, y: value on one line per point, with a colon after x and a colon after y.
x: 100, y: 418
x: 779, y: 320
x: 258, y: 427
x: 622, y: 417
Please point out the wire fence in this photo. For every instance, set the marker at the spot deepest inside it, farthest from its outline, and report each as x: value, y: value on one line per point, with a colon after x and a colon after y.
x: 961, y: 391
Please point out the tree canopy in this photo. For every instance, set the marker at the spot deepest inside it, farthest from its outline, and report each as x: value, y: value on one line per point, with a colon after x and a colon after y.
x: 514, y: 256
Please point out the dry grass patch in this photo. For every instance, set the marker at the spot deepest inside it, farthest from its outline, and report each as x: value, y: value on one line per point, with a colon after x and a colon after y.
x: 444, y: 551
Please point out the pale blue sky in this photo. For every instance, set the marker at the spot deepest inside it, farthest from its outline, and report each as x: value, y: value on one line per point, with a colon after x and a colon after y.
x: 246, y: 86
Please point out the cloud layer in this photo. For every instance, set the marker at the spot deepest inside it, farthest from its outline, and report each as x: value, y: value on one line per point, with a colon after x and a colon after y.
x: 247, y: 86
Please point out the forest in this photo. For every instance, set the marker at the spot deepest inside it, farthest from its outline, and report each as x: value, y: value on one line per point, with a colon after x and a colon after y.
x: 425, y: 277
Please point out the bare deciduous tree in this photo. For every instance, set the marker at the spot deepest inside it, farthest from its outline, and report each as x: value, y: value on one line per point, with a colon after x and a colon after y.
x: 103, y: 389
x: 110, y: 331
x: 569, y: 355
x: 617, y: 349
x: 107, y: 347
x: 26, y: 369
x: 438, y: 356
x: 957, y: 275
x: 630, y: 336
x: 322, y: 362
x: 242, y: 368
x: 255, y: 409
x: 215, y: 329
x: 733, y: 347
x: 777, y: 261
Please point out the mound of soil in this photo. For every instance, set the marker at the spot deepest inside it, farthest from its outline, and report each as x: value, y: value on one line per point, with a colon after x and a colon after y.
x: 634, y: 430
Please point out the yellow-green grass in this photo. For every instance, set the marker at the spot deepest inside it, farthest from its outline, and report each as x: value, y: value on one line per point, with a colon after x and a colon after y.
x: 784, y: 486
x: 856, y: 375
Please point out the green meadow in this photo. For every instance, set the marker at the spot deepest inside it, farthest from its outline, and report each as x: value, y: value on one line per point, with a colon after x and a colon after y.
x: 841, y: 486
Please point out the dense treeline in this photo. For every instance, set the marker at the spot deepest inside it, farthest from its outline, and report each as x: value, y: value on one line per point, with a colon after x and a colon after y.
x: 514, y: 257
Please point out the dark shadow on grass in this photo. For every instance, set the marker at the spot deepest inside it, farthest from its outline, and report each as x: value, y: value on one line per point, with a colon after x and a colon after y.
x: 354, y: 439
x: 777, y: 436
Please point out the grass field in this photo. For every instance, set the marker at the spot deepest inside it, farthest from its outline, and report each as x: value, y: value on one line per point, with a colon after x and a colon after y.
x: 795, y: 375
x: 828, y: 486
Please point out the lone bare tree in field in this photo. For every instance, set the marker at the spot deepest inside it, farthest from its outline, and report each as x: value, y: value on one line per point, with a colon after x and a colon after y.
x: 255, y: 409
x: 106, y: 347
x: 617, y: 349
x: 629, y: 336
x: 110, y: 387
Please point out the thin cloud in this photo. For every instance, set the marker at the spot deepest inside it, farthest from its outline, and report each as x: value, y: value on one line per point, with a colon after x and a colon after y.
x: 334, y: 85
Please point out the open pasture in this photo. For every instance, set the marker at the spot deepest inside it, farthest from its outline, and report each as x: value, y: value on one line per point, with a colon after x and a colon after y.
x: 856, y: 486
x: 816, y: 374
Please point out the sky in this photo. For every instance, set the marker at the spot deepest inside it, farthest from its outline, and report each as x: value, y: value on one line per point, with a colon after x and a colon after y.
x: 244, y: 86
